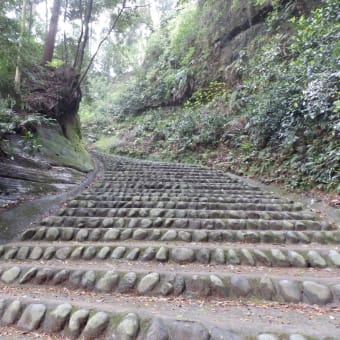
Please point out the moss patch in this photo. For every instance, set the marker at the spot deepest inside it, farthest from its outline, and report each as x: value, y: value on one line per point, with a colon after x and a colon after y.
x: 62, y: 151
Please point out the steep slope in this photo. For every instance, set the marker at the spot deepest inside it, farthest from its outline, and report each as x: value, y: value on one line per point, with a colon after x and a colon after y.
x: 252, y: 86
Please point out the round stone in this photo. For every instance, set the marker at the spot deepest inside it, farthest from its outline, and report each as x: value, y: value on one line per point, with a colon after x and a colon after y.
x: 95, y: 235
x: 140, y: 234
x: 60, y: 277
x: 188, y: 330
x: 316, y: 293
x: 36, y: 253
x: 118, y: 253
x: 67, y: 234
x: 334, y: 257
x: 316, y: 260
x: 223, y: 334
x: 296, y: 259
x: 247, y: 258
x: 52, y: 234
x: 95, y: 325
x: 133, y: 254
x: 170, y: 235
x: 297, y: 337
x: 77, y: 253
x: 111, y: 235
x: 30, y: 274
x: 184, y: 236
x: 22, y: 253
x: 88, y: 280
x: 77, y: 322
x: 129, y: 327
x: 267, y: 337
x: 279, y: 259
x: 290, y: 291
x: 127, y: 282
x: 107, y: 282
x: 10, y: 275
x: 199, y: 236
x: 157, y: 330
x: 218, y: 288
x: 89, y: 253
x: 261, y: 257
x: 267, y: 289
x: 148, y: 283
x: 103, y: 253
x: 63, y: 253
x: 203, y: 255
x: 11, y: 313
x: 240, y: 285
x: 75, y: 278
x: 55, y: 320
x: 162, y: 254
x: 198, y: 286
x: 182, y: 255
x: 232, y: 257
x: 49, y: 253
x: 149, y: 254
x: 108, y: 222
x: 31, y: 317
x: 82, y: 235
x: 218, y: 256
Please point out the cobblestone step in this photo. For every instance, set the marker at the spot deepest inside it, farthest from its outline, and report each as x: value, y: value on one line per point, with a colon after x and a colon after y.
x: 177, y: 252
x: 184, y: 205
x: 185, y: 223
x: 184, y: 235
x: 177, y: 284
x: 275, y: 257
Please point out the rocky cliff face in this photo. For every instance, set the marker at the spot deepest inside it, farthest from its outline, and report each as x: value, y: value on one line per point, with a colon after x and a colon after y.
x: 206, y: 48
x: 234, y: 25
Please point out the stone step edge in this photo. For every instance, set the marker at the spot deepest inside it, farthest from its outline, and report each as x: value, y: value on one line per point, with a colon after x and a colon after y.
x: 189, y: 213
x: 189, y: 191
x: 200, y: 286
x: 172, y: 186
x: 185, y: 235
x: 199, y: 199
x: 281, y: 258
x: 77, y: 322
x: 128, y: 204
x: 89, y: 204
x: 185, y: 223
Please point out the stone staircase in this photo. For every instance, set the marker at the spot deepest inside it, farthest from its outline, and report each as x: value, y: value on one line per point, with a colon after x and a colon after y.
x: 168, y: 251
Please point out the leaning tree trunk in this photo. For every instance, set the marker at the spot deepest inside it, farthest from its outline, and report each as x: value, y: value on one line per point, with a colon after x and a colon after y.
x: 52, y: 32
x: 84, y: 41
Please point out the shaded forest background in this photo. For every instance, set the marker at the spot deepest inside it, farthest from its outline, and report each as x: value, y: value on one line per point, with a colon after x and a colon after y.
x: 250, y: 87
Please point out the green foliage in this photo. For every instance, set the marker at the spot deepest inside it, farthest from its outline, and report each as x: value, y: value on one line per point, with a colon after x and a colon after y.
x: 55, y: 63
x: 10, y: 31
x: 291, y: 94
x: 11, y: 123
x: 204, y: 96
x: 183, y: 30
x: 8, y: 120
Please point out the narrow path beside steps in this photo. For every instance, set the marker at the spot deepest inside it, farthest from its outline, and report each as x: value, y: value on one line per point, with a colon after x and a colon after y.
x: 156, y: 250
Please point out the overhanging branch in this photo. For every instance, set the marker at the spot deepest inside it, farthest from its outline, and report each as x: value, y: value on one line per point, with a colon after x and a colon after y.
x: 124, y: 7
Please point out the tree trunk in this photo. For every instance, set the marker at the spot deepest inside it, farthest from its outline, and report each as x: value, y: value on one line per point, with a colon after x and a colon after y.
x: 17, y: 79
x: 52, y: 32
x: 83, y: 43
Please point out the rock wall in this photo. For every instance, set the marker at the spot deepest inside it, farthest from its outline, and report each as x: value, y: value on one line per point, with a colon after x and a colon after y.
x: 240, y: 24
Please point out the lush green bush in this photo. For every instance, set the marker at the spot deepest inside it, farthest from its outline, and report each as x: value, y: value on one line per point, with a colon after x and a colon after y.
x: 291, y: 96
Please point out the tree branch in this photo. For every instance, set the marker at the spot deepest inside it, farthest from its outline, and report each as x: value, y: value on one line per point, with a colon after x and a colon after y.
x: 102, y: 42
